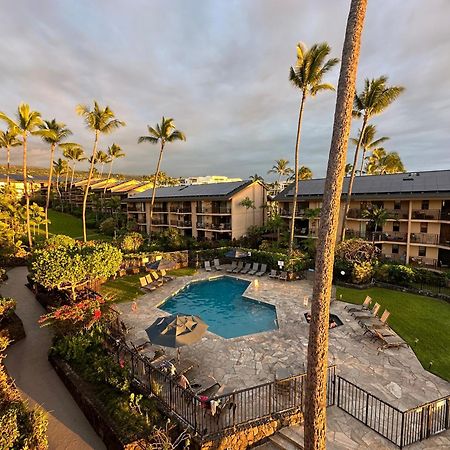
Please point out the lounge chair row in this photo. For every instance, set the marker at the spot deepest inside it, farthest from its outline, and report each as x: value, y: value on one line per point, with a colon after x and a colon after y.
x: 377, y: 327
x: 154, y: 280
x: 248, y: 268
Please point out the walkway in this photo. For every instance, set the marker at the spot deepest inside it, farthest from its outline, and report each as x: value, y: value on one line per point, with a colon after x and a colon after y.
x: 27, y: 363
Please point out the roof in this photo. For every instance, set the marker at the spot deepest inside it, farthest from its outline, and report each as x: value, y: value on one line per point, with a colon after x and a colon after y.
x: 18, y: 177
x: 431, y: 183
x: 219, y: 191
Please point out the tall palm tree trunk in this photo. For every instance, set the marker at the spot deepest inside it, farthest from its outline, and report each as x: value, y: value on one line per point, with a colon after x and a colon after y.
x: 362, y: 161
x: 109, y: 176
x: 316, y: 378
x: 155, y: 182
x: 49, y: 188
x: 25, y: 190
x: 66, y: 181
x: 352, y: 178
x: 297, y: 146
x: 86, y: 191
x: 8, y: 156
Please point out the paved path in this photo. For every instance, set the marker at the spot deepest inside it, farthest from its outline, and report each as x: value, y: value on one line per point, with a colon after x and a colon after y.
x: 27, y: 363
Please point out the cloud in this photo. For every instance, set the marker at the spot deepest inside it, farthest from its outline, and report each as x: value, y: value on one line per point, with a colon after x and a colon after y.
x: 221, y: 70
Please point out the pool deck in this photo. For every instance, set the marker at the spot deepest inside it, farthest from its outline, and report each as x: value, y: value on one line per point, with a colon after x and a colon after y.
x: 394, y: 375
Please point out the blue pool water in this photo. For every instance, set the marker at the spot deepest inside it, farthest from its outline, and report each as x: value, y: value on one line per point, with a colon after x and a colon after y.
x: 219, y: 302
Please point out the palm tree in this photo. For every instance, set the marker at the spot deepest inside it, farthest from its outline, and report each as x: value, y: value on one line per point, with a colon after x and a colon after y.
x: 114, y: 152
x: 376, y: 216
x: 27, y: 122
x: 348, y: 169
x: 316, y: 378
x: 55, y: 134
x: 307, y: 75
x: 256, y: 177
x: 381, y: 162
x: 282, y: 169
x: 304, y: 173
x: 163, y: 133
x: 8, y: 139
x: 72, y: 152
x: 60, y: 167
x: 373, y: 100
x: 99, y: 120
x: 368, y: 142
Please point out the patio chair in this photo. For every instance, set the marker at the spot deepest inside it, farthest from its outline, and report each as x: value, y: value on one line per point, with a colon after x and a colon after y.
x: 138, y: 344
x: 255, y: 269
x: 262, y: 271
x: 373, y: 313
x: 273, y: 274
x: 364, y: 307
x: 217, y: 265
x: 157, y: 280
x: 146, y: 285
x: 239, y: 267
x: 208, y: 266
x: 389, y: 341
x: 164, y: 275
x: 233, y: 266
x: 246, y: 269
x: 200, y: 385
x: 375, y: 322
x: 283, y: 276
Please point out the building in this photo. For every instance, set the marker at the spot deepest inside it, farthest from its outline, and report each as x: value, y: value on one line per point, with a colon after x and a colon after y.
x: 210, y: 179
x: 36, y: 183
x: 206, y: 211
x: 418, y: 205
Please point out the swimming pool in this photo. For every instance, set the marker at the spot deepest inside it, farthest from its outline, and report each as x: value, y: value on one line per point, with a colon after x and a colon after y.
x: 219, y: 302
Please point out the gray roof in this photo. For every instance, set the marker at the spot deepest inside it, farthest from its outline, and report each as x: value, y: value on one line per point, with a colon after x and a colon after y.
x: 432, y: 183
x: 19, y: 177
x: 219, y: 191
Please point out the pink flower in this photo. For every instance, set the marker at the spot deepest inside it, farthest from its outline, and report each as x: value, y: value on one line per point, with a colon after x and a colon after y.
x: 97, y: 314
x: 122, y: 363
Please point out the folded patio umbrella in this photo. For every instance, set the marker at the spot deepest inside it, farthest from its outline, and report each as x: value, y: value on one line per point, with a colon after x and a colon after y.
x: 236, y: 253
x: 176, y: 330
x: 162, y: 264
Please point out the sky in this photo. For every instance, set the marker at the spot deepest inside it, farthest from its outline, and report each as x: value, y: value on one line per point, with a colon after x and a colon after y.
x: 220, y: 69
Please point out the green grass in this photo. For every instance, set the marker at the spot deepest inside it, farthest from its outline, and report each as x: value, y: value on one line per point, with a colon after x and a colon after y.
x: 414, y: 317
x: 62, y: 223
x: 127, y: 288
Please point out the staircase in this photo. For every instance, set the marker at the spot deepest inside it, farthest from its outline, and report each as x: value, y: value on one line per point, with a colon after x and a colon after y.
x: 290, y: 438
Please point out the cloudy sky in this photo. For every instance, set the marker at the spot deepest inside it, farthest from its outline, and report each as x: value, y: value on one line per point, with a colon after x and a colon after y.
x: 220, y: 68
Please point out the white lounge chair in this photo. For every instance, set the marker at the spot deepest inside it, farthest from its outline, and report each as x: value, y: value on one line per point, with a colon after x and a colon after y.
x: 239, y: 267
x: 246, y: 269
x: 255, y: 269
x: 273, y: 274
x: 217, y: 265
x: 233, y: 266
x: 262, y: 271
x: 207, y: 266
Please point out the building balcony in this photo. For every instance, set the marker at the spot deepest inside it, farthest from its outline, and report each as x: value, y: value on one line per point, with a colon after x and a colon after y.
x: 218, y: 211
x: 181, y: 224
x: 177, y: 210
x: 424, y: 238
x: 422, y: 261
x: 387, y: 236
x: 401, y: 258
x: 394, y: 214
x: 426, y: 214
x: 444, y: 241
x: 214, y: 227
x: 159, y: 223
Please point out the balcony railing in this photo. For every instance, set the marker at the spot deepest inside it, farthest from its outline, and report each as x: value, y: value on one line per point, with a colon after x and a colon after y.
x: 134, y: 208
x: 222, y: 210
x: 444, y: 240
x: 389, y: 236
x: 181, y: 224
x: 211, y: 226
x: 178, y: 210
x: 422, y: 261
x: 396, y: 214
x: 394, y: 257
x: 426, y: 214
x: 424, y: 238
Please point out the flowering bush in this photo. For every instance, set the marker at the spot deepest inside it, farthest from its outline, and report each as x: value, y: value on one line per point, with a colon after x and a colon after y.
x: 362, y: 272
x: 131, y: 242
x: 357, y: 251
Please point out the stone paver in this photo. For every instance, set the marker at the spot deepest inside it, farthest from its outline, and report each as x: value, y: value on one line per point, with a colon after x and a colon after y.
x: 27, y: 364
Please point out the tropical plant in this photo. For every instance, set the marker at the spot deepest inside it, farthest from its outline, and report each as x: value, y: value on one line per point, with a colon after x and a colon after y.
x: 60, y: 167
x: 114, y: 152
x: 368, y: 142
x: 37, y: 217
x: 27, y: 122
x: 73, y: 153
x: 102, y: 158
x: 307, y: 75
x: 376, y: 216
x: 348, y: 169
x: 372, y: 101
x: 282, y: 169
x: 100, y: 121
x: 381, y: 162
x: 316, y: 378
x: 357, y: 251
x: 304, y: 173
x: 256, y: 177
x: 8, y: 139
x: 55, y: 133
x: 163, y: 133
x: 131, y: 242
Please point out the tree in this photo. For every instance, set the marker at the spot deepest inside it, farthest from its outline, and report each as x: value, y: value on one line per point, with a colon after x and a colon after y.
x: 348, y: 169
x: 8, y: 139
x: 72, y: 152
x: 37, y: 217
x: 368, y: 142
x: 114, y: 152
x: 382, y: 162
x: 55, y: 133
x: 307, y: 75
x: 60, y: 167
x: 304, y: 173
x: 373, y: 100
x: 163, y: 133
x: 316, y: 378
x: 376, y: 216
x: 102, y: 158
x: 256, y: 177
x: 282, y: 169
x: 27, y: 122
x: 100, y: 121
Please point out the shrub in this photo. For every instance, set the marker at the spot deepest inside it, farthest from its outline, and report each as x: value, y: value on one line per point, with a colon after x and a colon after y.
x: 58, y: 240
x: 362, y: 272
x: 357, y: 251
x: 108, y: 226
x: 131, y: 241
x: 395, y: 274
x: 7, y: 307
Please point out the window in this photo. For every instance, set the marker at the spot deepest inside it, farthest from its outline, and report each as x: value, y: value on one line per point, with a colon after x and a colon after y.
x: 422, y: 251
x: 425, y: 204
x: 396, y: 226
x: 395, y: 249
x: 397, y: 205
x: 424, y: 227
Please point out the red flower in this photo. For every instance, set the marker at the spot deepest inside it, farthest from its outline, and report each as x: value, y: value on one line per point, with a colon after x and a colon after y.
x: 97, y: 314
x: 122, y: 363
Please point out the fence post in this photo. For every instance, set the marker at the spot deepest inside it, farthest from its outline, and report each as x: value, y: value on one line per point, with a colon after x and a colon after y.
x: 270, y: 398
x: 367, y: 408
x: 234, y: 409
x: 402, y: 430
x: 338, y: 390
x: 447, y: 414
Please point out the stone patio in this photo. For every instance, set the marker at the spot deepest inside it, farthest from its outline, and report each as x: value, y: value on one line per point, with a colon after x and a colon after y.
x: 394, y: 375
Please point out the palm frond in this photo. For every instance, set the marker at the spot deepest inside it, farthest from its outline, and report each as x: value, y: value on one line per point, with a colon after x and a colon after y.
x: 151, y: 139
x: 321, y: 87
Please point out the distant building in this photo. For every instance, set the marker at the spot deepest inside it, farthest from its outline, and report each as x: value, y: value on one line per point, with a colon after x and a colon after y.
x: 210, y: 179
x: 36, y: 183
x: 418, y: 228
x: 207, y: 211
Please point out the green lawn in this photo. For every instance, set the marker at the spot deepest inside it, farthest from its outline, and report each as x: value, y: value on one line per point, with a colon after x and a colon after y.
x: 414, y: 317
x: 127, y: 288
x: 69, y: 225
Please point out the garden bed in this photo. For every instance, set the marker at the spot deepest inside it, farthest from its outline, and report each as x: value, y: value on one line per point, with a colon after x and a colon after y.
x: 12, y: 328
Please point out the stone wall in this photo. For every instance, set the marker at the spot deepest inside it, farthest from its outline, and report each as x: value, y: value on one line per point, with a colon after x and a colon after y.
x: 252, y: 434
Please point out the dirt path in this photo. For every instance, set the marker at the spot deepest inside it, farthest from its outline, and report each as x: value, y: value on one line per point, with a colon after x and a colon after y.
x: 27, y: 363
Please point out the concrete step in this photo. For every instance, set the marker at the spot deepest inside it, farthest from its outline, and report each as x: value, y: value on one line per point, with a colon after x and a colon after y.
x: 284, y: 443
x: 293, y: 434
x: 267, y: 446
